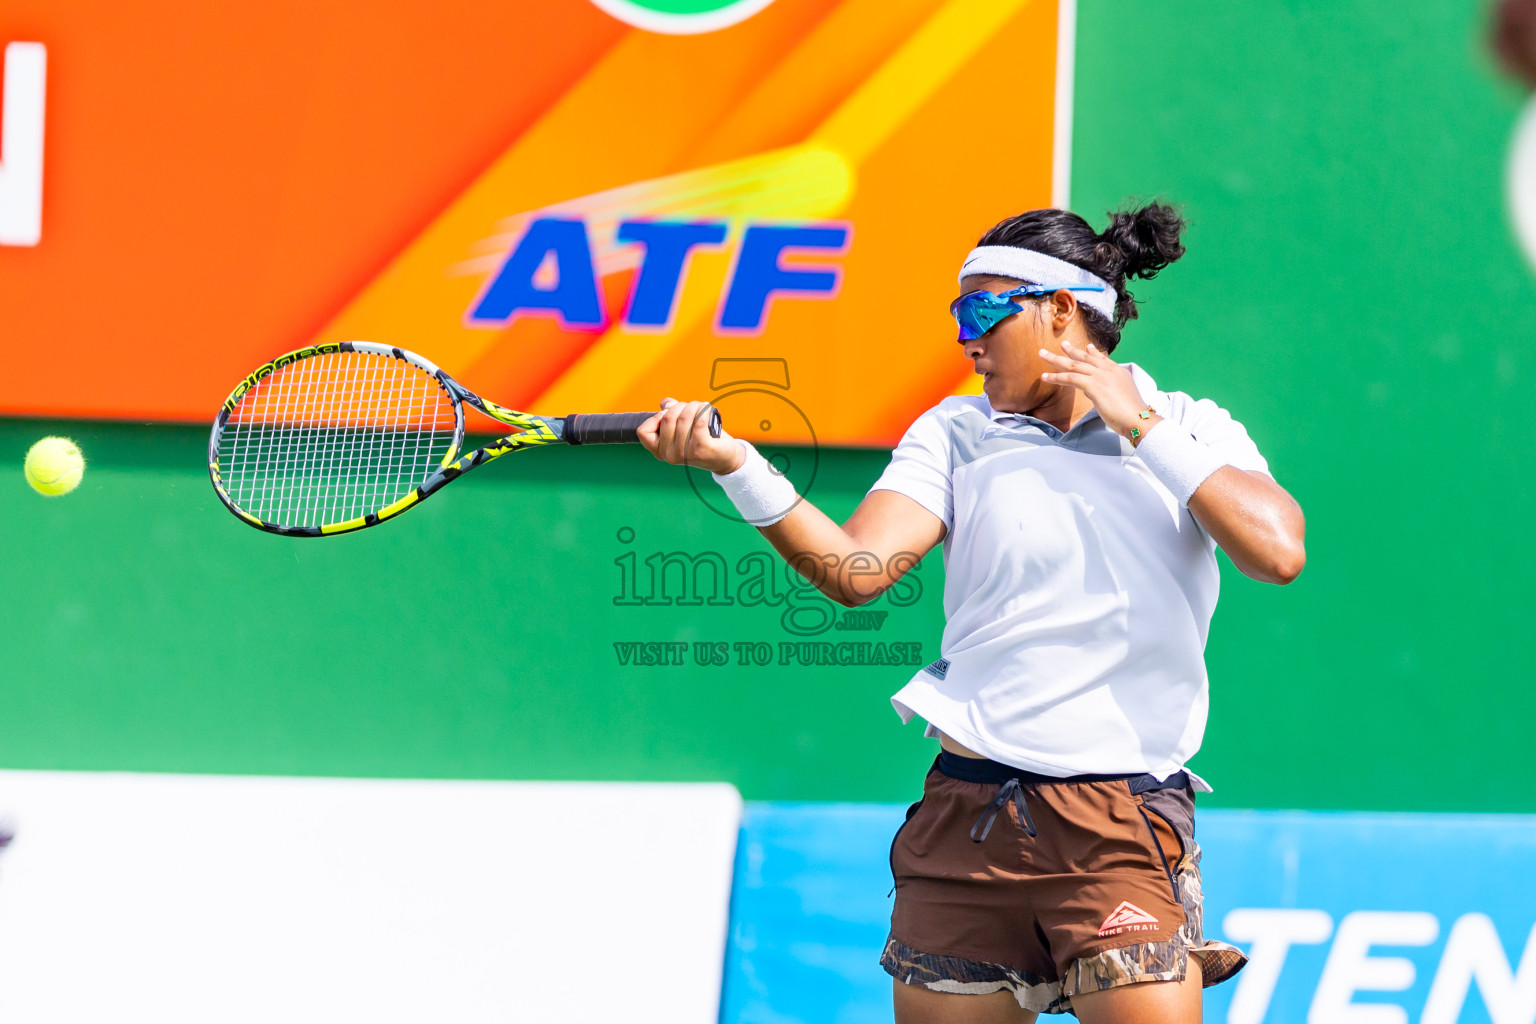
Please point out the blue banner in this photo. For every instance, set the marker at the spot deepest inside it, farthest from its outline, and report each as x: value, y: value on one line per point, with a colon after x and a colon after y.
x: 1347, y: 918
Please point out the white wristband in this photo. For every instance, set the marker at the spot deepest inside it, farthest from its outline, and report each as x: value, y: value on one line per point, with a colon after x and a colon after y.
x: 760, y: 492
x: 1177, y: 460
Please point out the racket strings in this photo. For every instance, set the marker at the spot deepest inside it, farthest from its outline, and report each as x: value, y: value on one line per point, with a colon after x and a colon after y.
x: 334, y: 437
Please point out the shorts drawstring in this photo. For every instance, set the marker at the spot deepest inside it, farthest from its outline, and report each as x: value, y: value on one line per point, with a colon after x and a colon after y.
x: 1009, y: 792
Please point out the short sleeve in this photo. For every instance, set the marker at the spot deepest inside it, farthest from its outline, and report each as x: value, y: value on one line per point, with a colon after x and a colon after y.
x: 920, y: 466
x: 1214, y: 426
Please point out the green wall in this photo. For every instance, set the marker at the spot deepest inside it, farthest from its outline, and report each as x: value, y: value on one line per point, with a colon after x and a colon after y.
x: 473, y: 637
x: 1351, y: 293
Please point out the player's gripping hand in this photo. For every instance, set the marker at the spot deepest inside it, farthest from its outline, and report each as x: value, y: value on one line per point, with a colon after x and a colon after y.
x: 679, y: 434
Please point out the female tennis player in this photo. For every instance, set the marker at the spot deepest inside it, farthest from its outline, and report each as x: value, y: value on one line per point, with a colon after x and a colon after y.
x: 1050, y: 865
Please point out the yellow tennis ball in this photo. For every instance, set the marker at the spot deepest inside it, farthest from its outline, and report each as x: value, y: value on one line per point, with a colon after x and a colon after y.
x: 54, y: 466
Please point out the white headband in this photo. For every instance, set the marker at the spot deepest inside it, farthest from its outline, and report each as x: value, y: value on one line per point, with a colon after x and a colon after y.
x: 1038, y: 268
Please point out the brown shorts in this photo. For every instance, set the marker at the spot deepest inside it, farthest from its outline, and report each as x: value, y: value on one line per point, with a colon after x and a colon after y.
x: 1047, y: 887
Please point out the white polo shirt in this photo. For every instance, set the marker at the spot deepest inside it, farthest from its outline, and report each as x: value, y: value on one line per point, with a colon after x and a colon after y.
x: 1078, y: 591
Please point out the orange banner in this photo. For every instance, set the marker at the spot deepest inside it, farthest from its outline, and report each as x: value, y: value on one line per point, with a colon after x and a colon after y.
x: 565, y: 211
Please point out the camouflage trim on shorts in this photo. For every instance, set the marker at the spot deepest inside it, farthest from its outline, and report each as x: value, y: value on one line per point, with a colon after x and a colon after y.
x: 1124, y: 965
x: 968, y: 977
x: 1218, y: 960
x: 1147, y: 961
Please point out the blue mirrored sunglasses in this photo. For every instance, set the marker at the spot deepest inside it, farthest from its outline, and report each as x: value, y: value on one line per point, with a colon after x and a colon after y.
x: 976, y: 313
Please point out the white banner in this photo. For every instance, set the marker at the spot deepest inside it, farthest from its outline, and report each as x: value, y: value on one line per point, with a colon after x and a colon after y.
x: 164, y: 898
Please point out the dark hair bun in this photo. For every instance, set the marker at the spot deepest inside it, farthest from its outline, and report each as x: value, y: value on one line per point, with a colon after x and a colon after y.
x: 1142, y: 242
x: 1137, y: 243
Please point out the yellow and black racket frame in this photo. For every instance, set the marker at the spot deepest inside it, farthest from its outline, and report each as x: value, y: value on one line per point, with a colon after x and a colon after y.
x: 531, y: 432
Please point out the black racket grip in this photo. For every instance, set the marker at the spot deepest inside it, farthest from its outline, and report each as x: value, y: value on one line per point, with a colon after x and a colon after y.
x: 616, y: 427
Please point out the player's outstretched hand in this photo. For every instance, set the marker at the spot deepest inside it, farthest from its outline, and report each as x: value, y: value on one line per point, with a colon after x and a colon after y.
x: 679, y: 434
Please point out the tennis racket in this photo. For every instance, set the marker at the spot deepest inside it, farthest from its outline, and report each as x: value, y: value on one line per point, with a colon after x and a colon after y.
x: 343, y: 436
